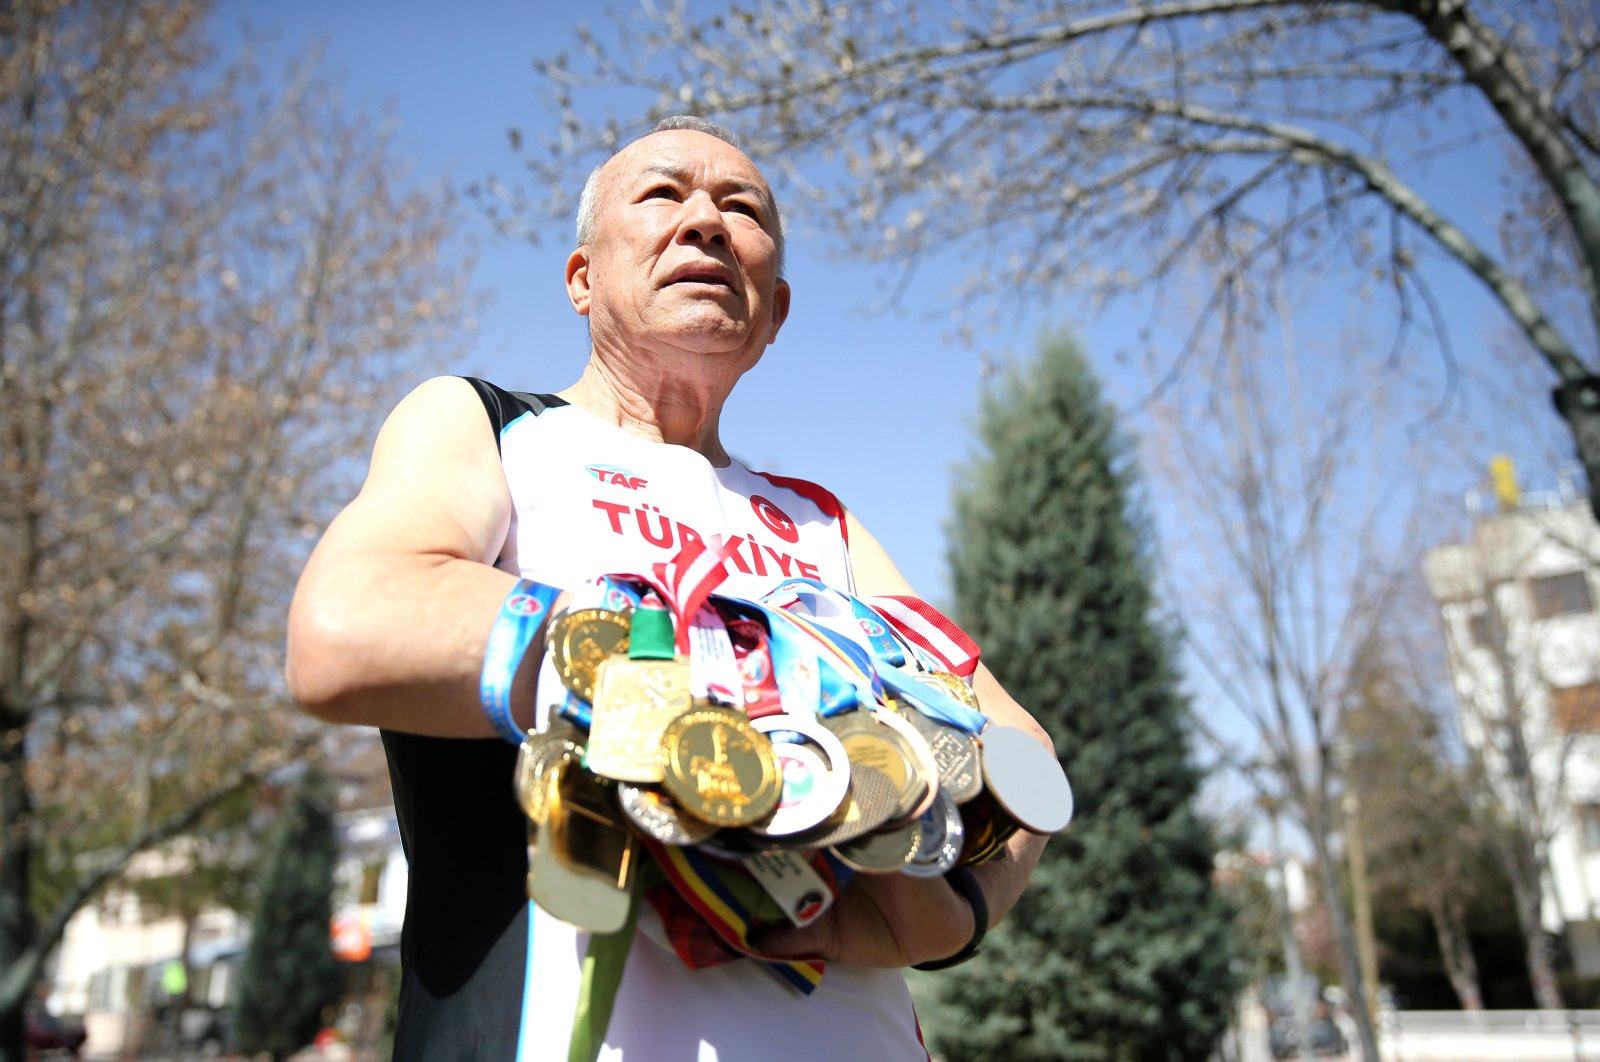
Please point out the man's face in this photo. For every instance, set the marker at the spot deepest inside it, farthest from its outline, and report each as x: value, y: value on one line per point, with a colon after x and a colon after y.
x: 684, y: 253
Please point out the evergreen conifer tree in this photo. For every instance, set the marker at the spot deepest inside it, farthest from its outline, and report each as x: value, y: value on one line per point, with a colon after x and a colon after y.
x: 289, y: 973
x: 1121, y: 948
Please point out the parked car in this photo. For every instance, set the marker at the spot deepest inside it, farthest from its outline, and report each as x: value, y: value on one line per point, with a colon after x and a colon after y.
x: 47, y: 1033
x: 205, y: 1031
x: 1284, y: 1037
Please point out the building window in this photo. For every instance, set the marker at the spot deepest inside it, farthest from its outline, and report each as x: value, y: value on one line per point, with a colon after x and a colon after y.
x: 1576, y: 709
x: 1481, y: 627
x: 1556, y: 595
x: 371, y: 881
x: 1589, y: 826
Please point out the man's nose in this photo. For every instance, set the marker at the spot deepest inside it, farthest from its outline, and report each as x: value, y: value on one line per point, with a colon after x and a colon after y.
x: 701, y: 221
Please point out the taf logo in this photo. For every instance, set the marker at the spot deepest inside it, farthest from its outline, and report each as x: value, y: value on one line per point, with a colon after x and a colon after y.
x: 872, y: 627
x: 617, y: 477
x: 776, y: 519
x: 523, y: 605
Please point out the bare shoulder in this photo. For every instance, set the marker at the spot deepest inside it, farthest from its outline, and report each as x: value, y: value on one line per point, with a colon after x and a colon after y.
x: 871, y: 566
x: 435, y: 484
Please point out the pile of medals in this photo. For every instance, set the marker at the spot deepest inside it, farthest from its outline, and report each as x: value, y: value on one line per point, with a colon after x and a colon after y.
x: 891, y: 768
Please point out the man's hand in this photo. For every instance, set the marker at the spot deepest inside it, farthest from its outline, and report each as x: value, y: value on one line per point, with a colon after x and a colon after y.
x: 880, y: 920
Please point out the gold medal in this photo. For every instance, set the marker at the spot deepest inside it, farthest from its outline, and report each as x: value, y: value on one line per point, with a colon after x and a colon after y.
x: 593, y: 902
x: 591, y: 836
x: 986, y: 829
x: 634, y: 701
x: 927, y: 771
x: 534, y: 759
x: 952, y: 684
x: 870, y: 744
x: 718, y: 768
x: 580, y: 641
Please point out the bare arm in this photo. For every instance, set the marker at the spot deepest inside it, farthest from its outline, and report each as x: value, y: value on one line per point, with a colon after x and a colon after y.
x: 895, y: 919
x: 391, y: 616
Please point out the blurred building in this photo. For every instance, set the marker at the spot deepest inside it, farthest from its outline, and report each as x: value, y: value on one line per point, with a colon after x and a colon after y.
x: 1518, y: 604
x: 115, y: 963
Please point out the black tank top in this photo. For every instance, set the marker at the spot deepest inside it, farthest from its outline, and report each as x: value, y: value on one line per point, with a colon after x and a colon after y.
x: 463, y: 947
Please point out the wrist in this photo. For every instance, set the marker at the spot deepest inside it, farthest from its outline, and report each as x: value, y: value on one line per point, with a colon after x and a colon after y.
x: 965, y: 884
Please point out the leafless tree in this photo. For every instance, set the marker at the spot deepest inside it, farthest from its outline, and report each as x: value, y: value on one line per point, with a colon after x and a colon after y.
x: 206, y: 286
x: 1284, y: 539
x: 1104, y: 147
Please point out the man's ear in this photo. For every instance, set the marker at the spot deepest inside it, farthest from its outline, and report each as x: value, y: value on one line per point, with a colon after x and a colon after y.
x: 780, y: 308
x: 578, y: 280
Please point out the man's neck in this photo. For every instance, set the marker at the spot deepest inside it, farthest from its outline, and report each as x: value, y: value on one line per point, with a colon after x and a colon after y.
x: 655, y: 406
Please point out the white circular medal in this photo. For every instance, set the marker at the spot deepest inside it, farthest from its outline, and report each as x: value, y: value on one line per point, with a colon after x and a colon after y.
x: 813, y: 785
x: 1026, y: 779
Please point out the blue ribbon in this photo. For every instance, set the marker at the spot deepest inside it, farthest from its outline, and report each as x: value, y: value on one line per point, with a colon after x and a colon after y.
x: 521, y: 613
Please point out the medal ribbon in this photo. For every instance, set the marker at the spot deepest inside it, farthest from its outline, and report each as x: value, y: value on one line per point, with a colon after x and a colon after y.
x: 687, y: 580
x: 723, y: 895
x: 932, y: 701
x: 929, y: 629
x: 807, y: 680
x: 521, y: 613
x: 880, y: 636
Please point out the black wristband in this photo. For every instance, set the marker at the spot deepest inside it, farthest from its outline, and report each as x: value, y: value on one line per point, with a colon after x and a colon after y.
x: 964, y: 882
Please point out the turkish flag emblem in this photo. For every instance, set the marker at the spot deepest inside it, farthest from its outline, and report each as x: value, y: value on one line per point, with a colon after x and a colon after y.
x: 777, y: 521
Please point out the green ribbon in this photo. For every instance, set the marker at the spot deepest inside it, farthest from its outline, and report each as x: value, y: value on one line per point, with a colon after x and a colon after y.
x: 650, y: 632
x: 597, y: 991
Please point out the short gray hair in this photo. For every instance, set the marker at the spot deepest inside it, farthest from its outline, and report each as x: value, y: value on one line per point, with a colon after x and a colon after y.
x: 692, y: 122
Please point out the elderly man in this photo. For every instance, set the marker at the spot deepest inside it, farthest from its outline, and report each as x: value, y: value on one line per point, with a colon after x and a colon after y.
x: 678, y: 269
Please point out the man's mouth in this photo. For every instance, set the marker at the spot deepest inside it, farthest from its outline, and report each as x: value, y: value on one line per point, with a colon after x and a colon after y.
x: 700, y: 275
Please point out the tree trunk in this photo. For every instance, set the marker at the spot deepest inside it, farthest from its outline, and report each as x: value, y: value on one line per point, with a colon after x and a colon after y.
x: 1578, y: 402
x: 16, y: 920
x: 1541, y: 964
x: 1444, y: 910
x: 1344, y: 935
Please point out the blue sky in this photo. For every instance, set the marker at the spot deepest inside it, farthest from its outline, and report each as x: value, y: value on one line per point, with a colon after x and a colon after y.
x: 877, y: 407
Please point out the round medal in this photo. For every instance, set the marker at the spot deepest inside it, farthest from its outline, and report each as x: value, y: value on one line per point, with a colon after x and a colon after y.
x: 656, y: 816
x: 814, y: 786
x: 870, y: 744
x: 955, y: 752
x: 719, y: 768
x: 927, y: 769
x: 942, y: 834
x: 1026, y: 779
x: 868, y: 805
x: 579, y: 640
x: 885, y: 851
x: 537, y: 754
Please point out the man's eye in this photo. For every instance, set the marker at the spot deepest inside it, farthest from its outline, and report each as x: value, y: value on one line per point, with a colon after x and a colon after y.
x: 665, y: 191
x: 747, y: 209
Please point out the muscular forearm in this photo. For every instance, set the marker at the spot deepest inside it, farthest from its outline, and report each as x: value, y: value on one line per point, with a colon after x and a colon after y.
x: 1004, y: 877
x: 399, y: 642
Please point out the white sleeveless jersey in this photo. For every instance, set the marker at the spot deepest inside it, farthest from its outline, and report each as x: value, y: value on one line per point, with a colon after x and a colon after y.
x: 590, y: 498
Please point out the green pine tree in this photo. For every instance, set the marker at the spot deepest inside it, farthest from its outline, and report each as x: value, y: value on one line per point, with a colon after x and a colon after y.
x: 1121, y: 948
x: 289, y: 974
